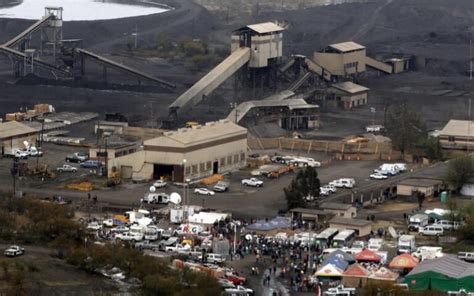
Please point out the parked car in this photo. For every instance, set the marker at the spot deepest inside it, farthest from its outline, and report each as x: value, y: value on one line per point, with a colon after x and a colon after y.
x: 129, y: 236
x: 159, y: 184
x: 225, y: 283
x: 323, y: 191
x: 35, y: 152
x: 221, y: 186
x: 343, y: 183
x: 466, y: 256
x: 21, y: 154
x: 94, y: 226
x: 13, y: 251
x: 431, y: 230
x: 155, y: 198
x: 147, y: 245
x: 374, y: 128
x: 330, y: 188
x: 278, y: 159
x: 448, y: 225
x: 178, y: 248
x: 91, y: 164
x: 120, y: 229
x: 239, y: 290
x: 215, y: 258
x: 204, y: 191
x: 66, y: 168
x: 378, y: 176
x: 236, y: 280
x: 76, y: 157
x: 253, y: 182
x: 108, y: 222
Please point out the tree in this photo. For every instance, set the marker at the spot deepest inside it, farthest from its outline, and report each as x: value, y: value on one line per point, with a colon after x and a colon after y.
x: 431, y: 148
x: 403, y: 127
x: 420, y: 198
x: 459, y: 171
x: 306, y: 183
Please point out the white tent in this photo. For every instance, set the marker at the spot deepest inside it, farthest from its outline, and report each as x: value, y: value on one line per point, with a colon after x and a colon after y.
x: 329, y: 270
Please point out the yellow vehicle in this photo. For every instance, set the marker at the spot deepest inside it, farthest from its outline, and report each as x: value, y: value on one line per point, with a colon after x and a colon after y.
x: 191, y: 123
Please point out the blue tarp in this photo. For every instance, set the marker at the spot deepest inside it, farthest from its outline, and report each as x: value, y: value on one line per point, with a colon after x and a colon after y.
x: 334, y: 260
x: 275, y: 223
x: 341, y: 255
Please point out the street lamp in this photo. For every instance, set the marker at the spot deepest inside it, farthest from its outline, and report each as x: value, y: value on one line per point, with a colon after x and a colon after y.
x: 184, y: 187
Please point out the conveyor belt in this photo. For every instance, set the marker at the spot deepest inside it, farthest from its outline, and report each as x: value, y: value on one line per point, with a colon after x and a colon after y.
x: 378, y: 65
x: 25, y: 33
x: 20, y: 55
x: 211, y: 80
x: 122, y: 68
x: 298, y: 83
x: 317, y: 69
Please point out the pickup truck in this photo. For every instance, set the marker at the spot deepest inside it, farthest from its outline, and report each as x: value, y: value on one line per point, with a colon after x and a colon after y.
x: 178, y: 248
x: 76, y: 157
x: 254, y: 182
x: 129, y: 236
x: 66, y: 168
x: 13, y: 251
x: 147, y: 245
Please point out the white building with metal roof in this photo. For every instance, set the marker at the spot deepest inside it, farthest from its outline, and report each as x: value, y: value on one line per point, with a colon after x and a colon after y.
x: 188, y: 153
x: 13, y: 134
x: 457, y: 134
x: 347, y: 95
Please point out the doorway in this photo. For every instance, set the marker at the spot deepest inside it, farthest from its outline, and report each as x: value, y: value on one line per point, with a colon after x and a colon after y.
x: 215, y: 167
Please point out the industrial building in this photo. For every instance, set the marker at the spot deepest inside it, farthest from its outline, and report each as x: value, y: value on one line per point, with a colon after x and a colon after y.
x: 13, y: 134
x: 429, y: 187
x: 457, y: 135
x: 360, y: 226
x: 348, y: 59
x: 339, y: 209
x: 347, y: 95
x: 187, y: 153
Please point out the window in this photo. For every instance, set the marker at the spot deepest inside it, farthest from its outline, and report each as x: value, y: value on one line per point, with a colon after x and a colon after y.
x: 451, y: 138
x: 229, y: 160
x: 202, y: 167
x: 242, y: 156
x: 188, y: 170
x: 208, y: 165
x: 101, y: 154
x: 222, y: 161
x: 351, y: 65
x: 195, y: 168
x: 236, y: 158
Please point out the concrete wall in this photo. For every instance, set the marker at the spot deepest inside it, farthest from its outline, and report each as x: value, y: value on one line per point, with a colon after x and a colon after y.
x: 407, y: 190
x: 265, y: 47
x: 197, y: 162
x: 140, y: 169
x: 337, y: 63
x: 351, y: 213
x: 349, y: 100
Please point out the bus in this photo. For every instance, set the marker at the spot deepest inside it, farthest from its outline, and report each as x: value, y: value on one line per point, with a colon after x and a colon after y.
x: 326, y: 236
x: 344, y: 239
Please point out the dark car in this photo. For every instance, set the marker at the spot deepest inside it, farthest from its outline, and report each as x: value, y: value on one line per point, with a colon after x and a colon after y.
x: 91, y: 164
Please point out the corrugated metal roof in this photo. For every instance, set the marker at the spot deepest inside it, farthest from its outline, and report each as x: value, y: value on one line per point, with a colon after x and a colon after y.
x: 347, y: 46
x: 420, y: 182
x: 447, y: 265
x: 350, y: 87
x: 14, y: 128
x: 458, y: 128
x: 185, y: 137
x: 335, y: 206
x: 263, y: 28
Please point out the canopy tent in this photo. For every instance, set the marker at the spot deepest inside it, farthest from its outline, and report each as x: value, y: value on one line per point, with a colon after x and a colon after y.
x: 384, y: 274
x: 268, y: 225
x: 355, y: 276
x: 367, y: 256
x: 447, y: 273
x: 336, y: 261
x: 329, y: 270
x: 404, y: 261
x: 341, y: 255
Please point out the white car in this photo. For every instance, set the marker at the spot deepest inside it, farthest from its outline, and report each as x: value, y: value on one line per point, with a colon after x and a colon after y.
x: 378, y: 176
x: 240, y: 290
x: 330, y: 188
x: 178, y: 248
x: 159, y: 184
x: 66, y: 168
x: 323, y: 191
x: 13, y: 251
x: 204, y: 191
x: 431, y: 230
x: 225, y: 283
x: 343, y: 183
x: 120, y: 229
x: 108, y: 223
x: 129, y: 236
x: 254, y: 182
x: 94, y: 226
x: 21, y: 154
x: 373, y: 128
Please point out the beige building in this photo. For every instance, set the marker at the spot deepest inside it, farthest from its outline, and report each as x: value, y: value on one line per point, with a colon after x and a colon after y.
x: 339, y: 209
x: 13, y: 134
x: 429, y: 187
x: 360, y: 226
x: 265, y: 41
x: 342, y: 59
x: 188, y: 153
x: 458, y: 135
x: 347, y: 95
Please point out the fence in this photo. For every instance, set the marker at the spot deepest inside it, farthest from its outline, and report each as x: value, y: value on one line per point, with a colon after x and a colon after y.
x: 343, y: 150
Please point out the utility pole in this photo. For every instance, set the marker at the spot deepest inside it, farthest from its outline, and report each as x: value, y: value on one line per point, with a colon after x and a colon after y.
x: 14, y: 172
x: 136, y: 36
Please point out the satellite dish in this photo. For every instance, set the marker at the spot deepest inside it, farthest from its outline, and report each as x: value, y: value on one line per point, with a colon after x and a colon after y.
x: 392, y: 232
x: 26, y: 144
x: 152, y: 189
x: 175, y: 198
x: 248, y: 237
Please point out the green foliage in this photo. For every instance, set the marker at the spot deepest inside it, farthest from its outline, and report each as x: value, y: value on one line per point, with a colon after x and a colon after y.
x: 403, y: 127
x: 199, y: 62
x: 163, y: 43
x: 459, y: 171
x: 306, y: 183
x: 431, y: 148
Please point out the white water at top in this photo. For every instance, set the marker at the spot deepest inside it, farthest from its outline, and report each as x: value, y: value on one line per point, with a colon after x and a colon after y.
x: 75, y: 10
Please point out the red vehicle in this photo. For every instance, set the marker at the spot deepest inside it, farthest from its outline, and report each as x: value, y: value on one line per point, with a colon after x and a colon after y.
x: 236, y: 280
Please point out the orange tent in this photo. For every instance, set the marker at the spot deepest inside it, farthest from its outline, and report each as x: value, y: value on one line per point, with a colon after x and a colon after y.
x: 367, y: 256
x: 356, y: 270
x: 404, y: 261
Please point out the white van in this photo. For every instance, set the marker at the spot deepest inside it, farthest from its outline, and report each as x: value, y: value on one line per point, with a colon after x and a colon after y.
x: 432, y: 230
x: 343, y: 183
x: 215, y: 258
x: 466, y: 256
x: 448, y: 225
x: 417, y: 221
x: 375, y: 244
